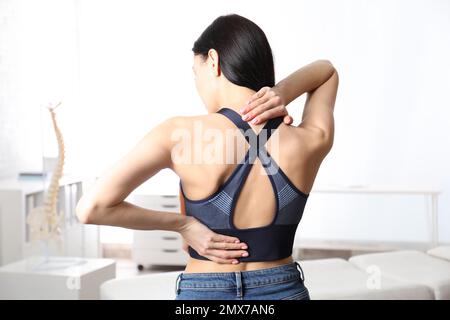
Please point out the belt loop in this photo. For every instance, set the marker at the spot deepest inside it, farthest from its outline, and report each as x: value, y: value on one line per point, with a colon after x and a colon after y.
x: 301, y: 271
x: 238, y: 284
x: 177, y: 282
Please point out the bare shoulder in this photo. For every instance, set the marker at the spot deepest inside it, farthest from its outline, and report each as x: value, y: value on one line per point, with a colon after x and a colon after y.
x: 169, y: 131
x: 171, y: 124
x: 203, y: 121
x: 184, y: 122
x: 312, y: 139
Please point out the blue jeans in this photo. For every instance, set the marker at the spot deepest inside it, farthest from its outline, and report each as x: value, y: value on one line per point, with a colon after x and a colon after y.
x: 284, y: 282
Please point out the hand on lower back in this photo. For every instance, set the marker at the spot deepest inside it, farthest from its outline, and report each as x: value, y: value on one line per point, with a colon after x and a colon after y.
x: 216, y: 247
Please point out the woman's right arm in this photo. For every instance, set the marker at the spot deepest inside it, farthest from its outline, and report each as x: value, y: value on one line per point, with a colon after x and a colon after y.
x: 306, y: 79
x: 319, y: 80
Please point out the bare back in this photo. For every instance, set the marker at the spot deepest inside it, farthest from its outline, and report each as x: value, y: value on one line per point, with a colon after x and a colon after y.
x: 294, y: 149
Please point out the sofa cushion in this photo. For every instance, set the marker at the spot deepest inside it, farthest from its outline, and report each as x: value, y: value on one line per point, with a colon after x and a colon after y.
x: 442, y: 252
x: 155, y: 286
x: 339, y: 279
x: 412, y: 266
x: 324, y: 278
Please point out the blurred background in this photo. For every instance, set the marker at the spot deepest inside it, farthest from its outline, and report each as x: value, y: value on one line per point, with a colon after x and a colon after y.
x: 121, y: 67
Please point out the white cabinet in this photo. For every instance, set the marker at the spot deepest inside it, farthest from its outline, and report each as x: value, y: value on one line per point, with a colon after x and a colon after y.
x: 158, y: 247
x: 18, y: 197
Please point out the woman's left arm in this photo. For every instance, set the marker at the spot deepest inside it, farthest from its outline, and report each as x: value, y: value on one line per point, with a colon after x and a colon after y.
x: 104, y: 203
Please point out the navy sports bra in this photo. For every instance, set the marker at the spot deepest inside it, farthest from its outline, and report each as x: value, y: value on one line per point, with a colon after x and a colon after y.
x: 270, y: 242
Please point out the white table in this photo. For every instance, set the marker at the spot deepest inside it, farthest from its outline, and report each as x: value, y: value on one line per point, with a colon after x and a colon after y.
x: 68, y: 278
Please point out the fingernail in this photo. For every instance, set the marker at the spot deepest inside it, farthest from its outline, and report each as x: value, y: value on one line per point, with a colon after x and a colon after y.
x: 235, y: 262
x: 236, y: 241
x: 244, y: 247
x: 245, y: 117
x: 242, y: 110
x: 245, y: 254
x: 255, y: 121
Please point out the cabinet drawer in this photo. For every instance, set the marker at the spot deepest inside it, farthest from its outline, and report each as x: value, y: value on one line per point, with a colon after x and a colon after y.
x: 156, y: 240
x: 158, y: 202
x: 160, y: 256
x: 170, y: 207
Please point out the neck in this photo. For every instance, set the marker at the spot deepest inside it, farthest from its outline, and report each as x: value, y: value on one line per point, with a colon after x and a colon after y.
x: 234, y: 97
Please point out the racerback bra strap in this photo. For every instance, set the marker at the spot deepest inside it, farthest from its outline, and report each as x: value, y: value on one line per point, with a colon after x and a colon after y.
x: 256, y: 141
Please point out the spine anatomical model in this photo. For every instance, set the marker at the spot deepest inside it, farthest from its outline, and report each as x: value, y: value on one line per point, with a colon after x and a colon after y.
x: 44, y: 221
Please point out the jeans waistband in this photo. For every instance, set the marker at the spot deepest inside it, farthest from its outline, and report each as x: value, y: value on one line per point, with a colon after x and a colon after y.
x: 283, y: 273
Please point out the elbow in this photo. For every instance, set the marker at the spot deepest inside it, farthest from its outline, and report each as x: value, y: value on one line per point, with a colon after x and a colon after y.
x: 326, y: 62
x: 329, y: 144
x: 325, y: 140
x: 329, y: 64
x: 86, y: 213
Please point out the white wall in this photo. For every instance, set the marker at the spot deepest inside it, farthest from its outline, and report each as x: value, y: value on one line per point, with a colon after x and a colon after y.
x: 134, y: 68
x: 38, y: 65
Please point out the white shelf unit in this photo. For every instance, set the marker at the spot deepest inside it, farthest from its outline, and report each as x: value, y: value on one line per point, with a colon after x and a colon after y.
x: 157, y: 247
x: 19, y: 196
